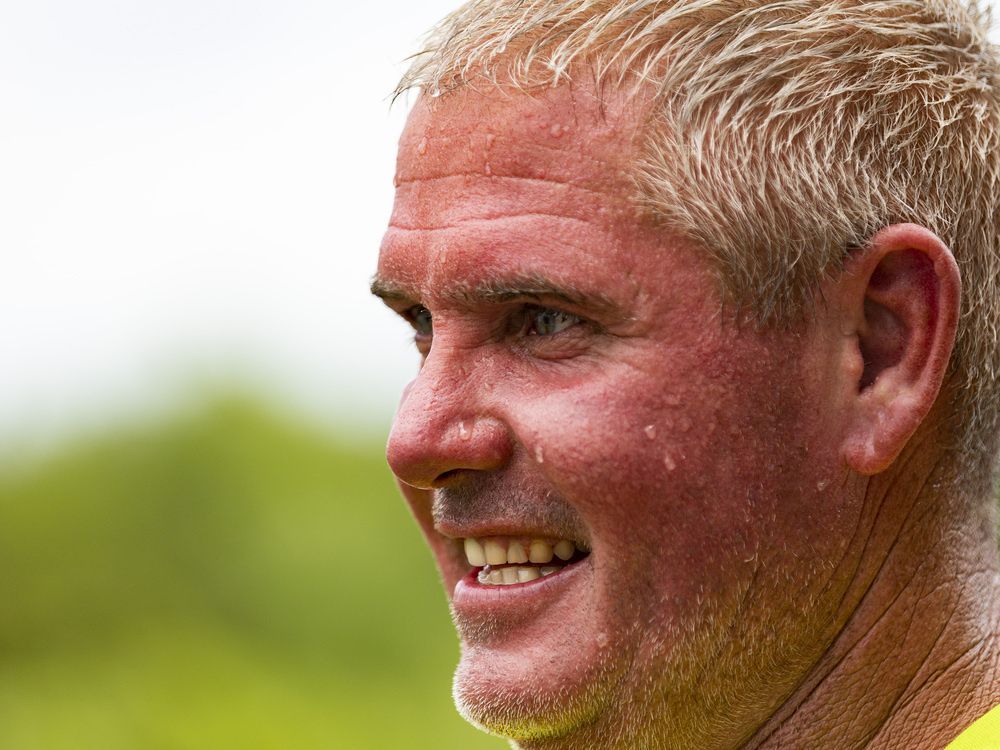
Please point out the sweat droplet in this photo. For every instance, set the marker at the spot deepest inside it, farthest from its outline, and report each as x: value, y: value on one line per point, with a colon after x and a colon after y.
x: 538, y: 454
x: 487, y: 170
x: 669, y: 462
x: 821, y: 485
x: 463, y: 431
x: 489, y: 139
x: 602, y: 639
x: 650, y: 431
x: 556, y: 130
x: 422, y: 147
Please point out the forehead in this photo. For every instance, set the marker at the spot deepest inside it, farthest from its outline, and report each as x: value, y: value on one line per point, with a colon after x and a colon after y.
x: 503, y: 181
x: 564, y: 134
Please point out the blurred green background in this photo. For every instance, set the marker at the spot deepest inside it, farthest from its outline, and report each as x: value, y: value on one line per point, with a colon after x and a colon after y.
x: 227, y: 576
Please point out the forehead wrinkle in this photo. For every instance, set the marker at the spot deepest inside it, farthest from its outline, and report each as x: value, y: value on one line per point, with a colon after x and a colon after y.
x: 519, y: 160
x: 597, y: 188
x: 485, y: 219
x: 446, y: 203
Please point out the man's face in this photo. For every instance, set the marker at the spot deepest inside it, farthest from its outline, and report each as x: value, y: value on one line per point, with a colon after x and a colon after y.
x: 581, y: 384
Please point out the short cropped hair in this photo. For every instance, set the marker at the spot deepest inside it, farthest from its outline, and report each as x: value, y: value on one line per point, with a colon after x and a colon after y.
x: 783, y: 135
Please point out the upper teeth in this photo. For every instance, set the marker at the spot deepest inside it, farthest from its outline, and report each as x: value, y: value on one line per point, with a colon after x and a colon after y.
x: 500, y: 551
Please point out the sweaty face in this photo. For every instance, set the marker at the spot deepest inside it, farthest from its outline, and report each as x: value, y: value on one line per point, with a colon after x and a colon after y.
x: 625, y: 492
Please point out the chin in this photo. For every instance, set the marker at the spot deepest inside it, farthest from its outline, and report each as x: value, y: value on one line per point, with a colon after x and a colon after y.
x: 537, y: 704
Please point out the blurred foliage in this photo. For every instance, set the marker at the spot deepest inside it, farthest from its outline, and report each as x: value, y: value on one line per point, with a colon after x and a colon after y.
x: 228, y: 578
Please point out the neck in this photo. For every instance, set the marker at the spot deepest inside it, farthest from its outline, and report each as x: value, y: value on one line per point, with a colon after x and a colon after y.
x: 917, y: 658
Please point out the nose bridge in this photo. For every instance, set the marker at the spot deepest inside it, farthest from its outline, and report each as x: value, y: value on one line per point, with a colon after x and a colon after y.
x: 443, y: 424
x: 440, y: 387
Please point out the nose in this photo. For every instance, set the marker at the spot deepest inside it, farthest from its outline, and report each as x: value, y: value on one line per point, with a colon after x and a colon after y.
x: 443, y: 430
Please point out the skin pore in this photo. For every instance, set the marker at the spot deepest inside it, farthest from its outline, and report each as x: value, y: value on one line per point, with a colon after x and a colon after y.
x: 770, y: 558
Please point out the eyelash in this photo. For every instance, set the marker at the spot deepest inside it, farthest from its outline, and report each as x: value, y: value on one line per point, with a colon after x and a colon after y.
x: 417, y: 316
x: 536, y: 310
x: 421, y: 320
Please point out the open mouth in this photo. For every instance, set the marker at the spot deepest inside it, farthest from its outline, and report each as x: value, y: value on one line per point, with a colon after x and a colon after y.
x: 504, y: 561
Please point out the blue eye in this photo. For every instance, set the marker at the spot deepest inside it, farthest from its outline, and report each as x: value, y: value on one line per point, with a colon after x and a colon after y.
x: 420, y: 318
x: 545, y: 322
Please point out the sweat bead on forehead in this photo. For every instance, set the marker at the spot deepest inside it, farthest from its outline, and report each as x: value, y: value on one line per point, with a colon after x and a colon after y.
x: 523, y: 161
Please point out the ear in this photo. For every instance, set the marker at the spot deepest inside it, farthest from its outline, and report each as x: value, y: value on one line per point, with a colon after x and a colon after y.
x: 899, y: 300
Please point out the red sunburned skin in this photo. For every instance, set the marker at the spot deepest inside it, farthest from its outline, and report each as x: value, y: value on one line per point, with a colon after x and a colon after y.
x: 514, y: 429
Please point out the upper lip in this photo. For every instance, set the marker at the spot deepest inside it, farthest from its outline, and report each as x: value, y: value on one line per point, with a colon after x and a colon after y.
x: 491, y: 504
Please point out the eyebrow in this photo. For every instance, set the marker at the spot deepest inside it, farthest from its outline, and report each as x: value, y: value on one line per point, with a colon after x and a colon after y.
x: 498, y: 291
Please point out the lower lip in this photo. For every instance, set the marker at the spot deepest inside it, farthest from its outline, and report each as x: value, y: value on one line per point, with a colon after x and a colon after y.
x: 471, y: 594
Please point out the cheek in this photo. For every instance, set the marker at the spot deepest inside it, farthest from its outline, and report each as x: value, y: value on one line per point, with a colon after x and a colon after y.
x: 680, y: 476
x: 639, y: 456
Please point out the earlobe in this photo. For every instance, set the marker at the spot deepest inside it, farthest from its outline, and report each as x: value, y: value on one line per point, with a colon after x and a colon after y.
x: 902, y: 293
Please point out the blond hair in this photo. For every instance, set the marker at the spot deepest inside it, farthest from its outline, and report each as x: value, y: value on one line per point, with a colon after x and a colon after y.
x: 785, y: 134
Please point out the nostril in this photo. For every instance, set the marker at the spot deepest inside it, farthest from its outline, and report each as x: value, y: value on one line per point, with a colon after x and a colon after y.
x: 445, y: 476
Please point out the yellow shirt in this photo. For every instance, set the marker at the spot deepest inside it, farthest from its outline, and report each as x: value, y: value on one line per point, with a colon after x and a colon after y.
x: 984, y: 734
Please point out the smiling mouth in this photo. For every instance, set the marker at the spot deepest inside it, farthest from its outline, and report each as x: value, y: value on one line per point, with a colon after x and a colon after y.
x: 504, y: 561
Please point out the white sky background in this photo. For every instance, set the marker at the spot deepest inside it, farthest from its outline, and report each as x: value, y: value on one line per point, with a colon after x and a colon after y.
x: 197, y: 188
